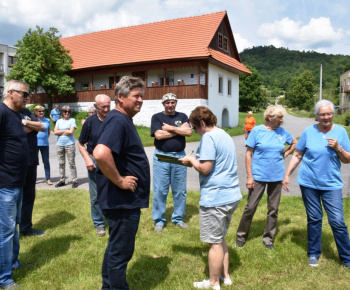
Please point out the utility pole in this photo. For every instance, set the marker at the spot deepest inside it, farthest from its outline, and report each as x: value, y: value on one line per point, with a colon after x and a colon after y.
x: 321, y: 83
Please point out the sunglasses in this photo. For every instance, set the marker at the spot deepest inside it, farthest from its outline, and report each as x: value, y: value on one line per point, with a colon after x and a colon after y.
x: 66, y: 111
x: 41, y: 111
x: 25, y: 94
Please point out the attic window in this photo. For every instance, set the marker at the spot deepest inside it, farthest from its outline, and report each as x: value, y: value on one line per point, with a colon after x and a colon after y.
x: 225, y: 43
x: 220, y: 41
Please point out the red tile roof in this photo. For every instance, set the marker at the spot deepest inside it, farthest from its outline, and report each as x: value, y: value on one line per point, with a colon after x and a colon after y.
x: 159, y: 41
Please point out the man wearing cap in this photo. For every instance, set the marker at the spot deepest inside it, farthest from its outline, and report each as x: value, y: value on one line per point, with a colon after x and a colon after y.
x: 249, y: 124
x: 169, y: 129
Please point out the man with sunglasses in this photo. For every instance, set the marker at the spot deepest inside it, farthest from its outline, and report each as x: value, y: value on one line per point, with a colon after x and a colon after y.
x: 13, y: 167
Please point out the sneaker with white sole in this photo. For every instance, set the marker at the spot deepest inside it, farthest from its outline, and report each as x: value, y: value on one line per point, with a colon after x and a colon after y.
x: 183, y: 225
x: 226, y: 281
x: 158, y: 228
x: 313, y: 262
x: 205, y: 284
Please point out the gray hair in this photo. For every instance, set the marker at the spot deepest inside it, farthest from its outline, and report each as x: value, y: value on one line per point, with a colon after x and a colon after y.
x: 127, y: 84
x: 13, y: 85
x: 98, y: 97
x: 323, y: 103
x: 92, y: 108
x: 273, y: 111
x: 65, y: 108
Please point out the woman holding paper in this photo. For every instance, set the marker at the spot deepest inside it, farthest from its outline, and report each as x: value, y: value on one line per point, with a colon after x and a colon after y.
x: 216, y: 163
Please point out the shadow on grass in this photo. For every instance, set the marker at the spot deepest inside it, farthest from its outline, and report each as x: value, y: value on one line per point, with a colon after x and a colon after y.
x: 54, y: 220
x: 190, y: 211
x: 258, y: 226
x: 43, y: 252
x: 148, y: 272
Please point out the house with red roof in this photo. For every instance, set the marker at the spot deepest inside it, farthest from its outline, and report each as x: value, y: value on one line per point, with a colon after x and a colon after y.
x: 195, y: 58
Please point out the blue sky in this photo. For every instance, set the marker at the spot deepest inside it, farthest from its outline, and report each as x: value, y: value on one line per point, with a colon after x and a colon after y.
x: 319, y: 25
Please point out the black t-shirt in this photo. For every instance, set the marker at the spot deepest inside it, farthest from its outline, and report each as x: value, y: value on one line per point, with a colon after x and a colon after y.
x: 89, y: 132
x: 13, y: 148
x: 174, y: 144
x: 32, y: 138
x: 119, y: 134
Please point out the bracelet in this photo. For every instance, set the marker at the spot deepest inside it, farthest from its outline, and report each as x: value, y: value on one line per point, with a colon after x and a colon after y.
x: 340, y: 149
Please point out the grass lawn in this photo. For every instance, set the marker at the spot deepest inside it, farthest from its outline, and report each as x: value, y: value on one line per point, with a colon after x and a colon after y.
x: 69, y: 255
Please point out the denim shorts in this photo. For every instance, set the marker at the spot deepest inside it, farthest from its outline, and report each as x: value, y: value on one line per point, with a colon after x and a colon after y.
x: 214, y: 222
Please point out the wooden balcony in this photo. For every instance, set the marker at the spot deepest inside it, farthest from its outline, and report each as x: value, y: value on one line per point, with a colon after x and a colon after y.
x: 151, y: 93
x: 345, y: 89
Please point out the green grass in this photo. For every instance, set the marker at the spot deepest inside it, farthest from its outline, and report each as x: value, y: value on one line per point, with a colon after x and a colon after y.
x: 69, y: 255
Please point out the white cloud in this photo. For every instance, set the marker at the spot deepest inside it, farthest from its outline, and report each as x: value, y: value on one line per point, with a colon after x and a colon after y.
x: 242, y: 43
x: 318, y: 33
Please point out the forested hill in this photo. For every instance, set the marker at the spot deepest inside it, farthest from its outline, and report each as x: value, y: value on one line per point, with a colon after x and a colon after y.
x: 277, y: 66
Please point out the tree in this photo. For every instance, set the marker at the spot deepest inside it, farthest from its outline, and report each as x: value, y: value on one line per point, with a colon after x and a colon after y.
x: 249, y: 90
x: 43, y: 62
x: 301, y: 91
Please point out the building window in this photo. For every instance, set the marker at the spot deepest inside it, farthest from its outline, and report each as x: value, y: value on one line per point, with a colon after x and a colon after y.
x: 229, y: 87
x: 225, y: 45
x: 220, y: 41
x: 348, y: 99
x: 11, y: 60
x: 221, y: 82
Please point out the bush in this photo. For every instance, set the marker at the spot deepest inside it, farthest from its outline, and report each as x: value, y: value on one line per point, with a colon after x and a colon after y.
x: 347, y: 119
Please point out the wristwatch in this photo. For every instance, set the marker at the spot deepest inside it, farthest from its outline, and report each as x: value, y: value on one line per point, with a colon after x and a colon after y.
x: 340, y: 149
x: 24, y: 122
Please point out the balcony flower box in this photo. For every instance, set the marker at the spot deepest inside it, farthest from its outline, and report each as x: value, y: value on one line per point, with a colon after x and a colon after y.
x: 180, y: 82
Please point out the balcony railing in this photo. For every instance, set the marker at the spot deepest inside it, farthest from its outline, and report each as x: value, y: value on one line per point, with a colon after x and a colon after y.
x: 151, y: 93
x: 345, y: 89
x: 2, y: 67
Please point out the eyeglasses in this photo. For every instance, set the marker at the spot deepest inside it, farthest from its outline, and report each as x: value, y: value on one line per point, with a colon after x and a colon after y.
x: 25, y: 94
x: 325, y: 114
x: 193, y: 128
x: 41, y: 111
x: 66, y: 111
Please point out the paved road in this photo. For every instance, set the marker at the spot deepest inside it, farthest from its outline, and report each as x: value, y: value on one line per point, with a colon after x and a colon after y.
x: 293, y: 124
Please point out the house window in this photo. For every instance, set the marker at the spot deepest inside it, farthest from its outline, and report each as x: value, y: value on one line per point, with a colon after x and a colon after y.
x: 11, y: 60
x: 221, y: 82
x: 225, y: 43
x: 348, y: 99
x: 229, y: 87
x: 220, y: 41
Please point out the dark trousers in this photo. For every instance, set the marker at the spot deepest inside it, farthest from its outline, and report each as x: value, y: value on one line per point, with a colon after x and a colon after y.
x: 254, y: 197
x: 123, y: 225
x: 28, y: 199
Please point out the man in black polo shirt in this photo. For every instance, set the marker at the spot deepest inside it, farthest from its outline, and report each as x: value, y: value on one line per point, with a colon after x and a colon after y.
x: 169, y: 129
x: 89, y: 137
x: 13, y: 166
x: 123, y: 180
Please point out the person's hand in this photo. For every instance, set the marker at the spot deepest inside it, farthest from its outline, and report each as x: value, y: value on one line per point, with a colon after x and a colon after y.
x: 128, y: 183
x: 166, y: 127
x: 90, y: 165
x: 250, y: 183
x: 285, y: 183
x: 333, y: 143
x: 187, y: 160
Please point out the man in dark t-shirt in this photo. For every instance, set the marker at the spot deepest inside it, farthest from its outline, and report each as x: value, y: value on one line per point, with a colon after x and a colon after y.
x: 87, y: 143
x: 32, y: 127
x: 13, y: 166
x: 169, y: 129
x: 123, y: 180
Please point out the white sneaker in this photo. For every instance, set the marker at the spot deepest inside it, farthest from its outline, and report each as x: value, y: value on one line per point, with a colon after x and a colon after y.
x: 226, y: 281
x: 205, y: 284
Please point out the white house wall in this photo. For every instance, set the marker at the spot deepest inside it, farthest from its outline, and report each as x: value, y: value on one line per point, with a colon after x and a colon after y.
x: 219, y: 102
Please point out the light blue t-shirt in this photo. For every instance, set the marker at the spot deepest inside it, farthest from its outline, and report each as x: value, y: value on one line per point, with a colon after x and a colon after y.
x: 55, y: 114
x: 43, y: 137
x: 268, y: 145
x: 221, y: 185
x: 62, y: 124
x: 320, y: 166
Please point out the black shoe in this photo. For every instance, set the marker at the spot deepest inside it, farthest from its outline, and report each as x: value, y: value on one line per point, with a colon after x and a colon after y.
x: 61, y: 183
x: 32, y: 232
x: 269, y: 246
x: 12, y: 285
x: 239, y: 244
x: 75, y: 185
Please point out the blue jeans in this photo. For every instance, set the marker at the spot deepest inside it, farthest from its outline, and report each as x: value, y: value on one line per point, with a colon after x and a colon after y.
x: 96, y: 213
x: 164, y: 175
x: 45, y: 157
x: 332, y: 201
x: 10, y: 215
x: 123, y: 225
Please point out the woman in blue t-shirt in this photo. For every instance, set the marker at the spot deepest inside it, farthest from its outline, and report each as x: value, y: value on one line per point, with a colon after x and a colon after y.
x: 264, y: 162
x: 321, y: 149
x: 216, y: 163
x: 64, y: 130
x: 43, y: 140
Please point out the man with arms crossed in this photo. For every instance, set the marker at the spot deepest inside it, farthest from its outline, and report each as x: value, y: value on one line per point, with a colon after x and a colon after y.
x: 169, y: 129
x: 123, y: 180
x: 13, y: 166
x: 89, y: 136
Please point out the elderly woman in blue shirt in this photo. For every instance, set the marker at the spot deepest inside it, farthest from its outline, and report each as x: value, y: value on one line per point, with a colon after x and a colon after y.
x: 216, y: 163
x: 264, y: 163
x: 320, y: 150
